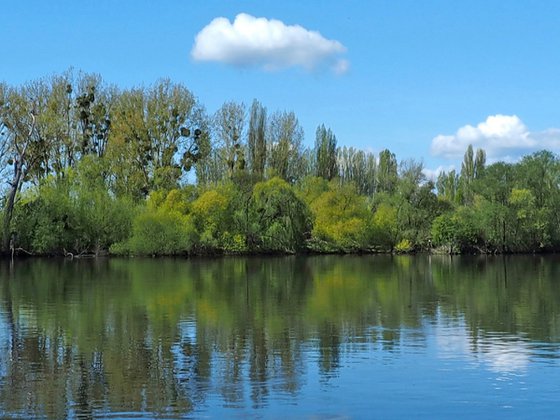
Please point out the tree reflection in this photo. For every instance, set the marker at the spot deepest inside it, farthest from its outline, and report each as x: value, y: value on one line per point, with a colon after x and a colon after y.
x: 84, y: 338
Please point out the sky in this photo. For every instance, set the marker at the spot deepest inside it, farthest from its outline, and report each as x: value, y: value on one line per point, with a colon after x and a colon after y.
x: 422, y: 79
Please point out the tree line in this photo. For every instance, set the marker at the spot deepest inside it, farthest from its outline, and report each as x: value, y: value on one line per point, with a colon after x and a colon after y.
x: 90, y: 168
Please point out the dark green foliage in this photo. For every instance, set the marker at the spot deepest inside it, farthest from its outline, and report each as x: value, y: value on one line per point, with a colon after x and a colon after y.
x: 68, y: 217
x: 280, y: 220
x: 509, y: 207
x: 456, y: 232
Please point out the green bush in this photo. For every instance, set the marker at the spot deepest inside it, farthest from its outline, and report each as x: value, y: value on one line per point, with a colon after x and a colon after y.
x: 159, y: 232
x: 456, y: 231
x: 404, y: 246
x: 63, y: 216
x: 342, y: 220
x: 213, y: 217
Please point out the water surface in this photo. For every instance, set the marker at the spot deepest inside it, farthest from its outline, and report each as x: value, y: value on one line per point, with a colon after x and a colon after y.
x: 305, y: 337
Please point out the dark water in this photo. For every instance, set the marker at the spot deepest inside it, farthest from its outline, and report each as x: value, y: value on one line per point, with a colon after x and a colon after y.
x: 304, y: 337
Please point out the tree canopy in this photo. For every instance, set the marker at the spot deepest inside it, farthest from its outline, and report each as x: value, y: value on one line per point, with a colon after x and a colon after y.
x: 88, y: 167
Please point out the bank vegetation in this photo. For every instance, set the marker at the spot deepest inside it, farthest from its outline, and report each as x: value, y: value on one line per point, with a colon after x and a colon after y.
x: 89, y: 169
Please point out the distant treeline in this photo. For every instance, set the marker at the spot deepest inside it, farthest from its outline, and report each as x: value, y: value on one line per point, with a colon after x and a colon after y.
x: 89, y: 168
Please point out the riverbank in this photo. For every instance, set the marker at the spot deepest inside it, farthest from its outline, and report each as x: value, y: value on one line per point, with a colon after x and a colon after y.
x: 106, y: 254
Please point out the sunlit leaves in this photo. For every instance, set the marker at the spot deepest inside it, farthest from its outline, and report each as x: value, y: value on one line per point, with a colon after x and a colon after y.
x: 342, y: 220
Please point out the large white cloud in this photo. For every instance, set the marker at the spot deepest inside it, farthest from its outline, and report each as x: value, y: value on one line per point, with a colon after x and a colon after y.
x: 269, y: 44
x: 503, y: 137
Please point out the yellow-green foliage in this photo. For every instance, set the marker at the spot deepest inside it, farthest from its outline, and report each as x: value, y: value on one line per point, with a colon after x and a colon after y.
x: 385, y: 225
x: 404, y: 246
x: 210, y: 207
x: 156, y: 199
x: 212, y: 219
x: 174, y: 200
x: 531, y: 221
x: 161, y: 228
x: 161, y: 233
x: 311, y: 188
x: 523, y: 202
x: 342, y: 218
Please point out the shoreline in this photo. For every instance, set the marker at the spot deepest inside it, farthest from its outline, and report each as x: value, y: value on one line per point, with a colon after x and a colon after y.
x: 107, y: 255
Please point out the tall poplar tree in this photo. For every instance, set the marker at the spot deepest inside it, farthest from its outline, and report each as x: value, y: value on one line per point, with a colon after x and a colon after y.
x: 285, y: 138
x: 256, y: 138
x: 325, y: 151
x: 387, y: 171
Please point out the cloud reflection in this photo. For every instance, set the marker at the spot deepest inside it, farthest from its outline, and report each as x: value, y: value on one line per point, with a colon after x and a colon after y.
x: 499, y: 353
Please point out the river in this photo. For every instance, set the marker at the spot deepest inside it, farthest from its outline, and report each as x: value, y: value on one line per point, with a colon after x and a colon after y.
x: 281, y: 337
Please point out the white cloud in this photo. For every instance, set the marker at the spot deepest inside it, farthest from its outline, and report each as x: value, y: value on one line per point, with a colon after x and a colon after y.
x: 503, y: 137
x: 341, y: 66
x: 432, y: 174
x: 269, y: 44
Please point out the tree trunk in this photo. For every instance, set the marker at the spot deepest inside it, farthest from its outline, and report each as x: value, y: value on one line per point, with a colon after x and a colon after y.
x: 15, y: 186
x: 6, y: 233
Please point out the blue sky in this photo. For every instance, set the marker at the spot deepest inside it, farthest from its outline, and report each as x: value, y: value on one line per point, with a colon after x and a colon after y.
x: 423, y: 79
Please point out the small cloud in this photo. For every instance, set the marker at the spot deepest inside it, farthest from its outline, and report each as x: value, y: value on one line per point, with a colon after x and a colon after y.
x: 268, y: 44
x: 341, y: 66
x: 503, y: 137
x: 432, y: 174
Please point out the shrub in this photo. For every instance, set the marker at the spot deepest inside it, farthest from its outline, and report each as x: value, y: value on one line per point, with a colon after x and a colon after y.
x: 158, y: 232
x: 404, y: 246
x: 62, y: 215
x: 342, y: 220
